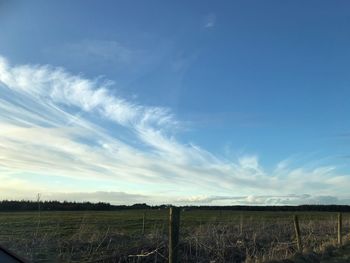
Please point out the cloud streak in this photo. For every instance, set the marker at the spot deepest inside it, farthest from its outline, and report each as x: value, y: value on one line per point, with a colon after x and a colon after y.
x: 291, y: 199
x: 54, y: 123
x: 210, y: 21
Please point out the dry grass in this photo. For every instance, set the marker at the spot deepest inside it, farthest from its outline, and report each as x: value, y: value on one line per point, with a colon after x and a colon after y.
x: 205, y: 237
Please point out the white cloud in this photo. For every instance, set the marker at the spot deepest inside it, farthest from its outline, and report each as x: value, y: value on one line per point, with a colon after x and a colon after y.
x: 291, y: 199
x: 104, y: 49
x: 249, y: 162
x: 93, y: 51
x: 53, y: 123
x: 98, y: 196
x: 210, y: 21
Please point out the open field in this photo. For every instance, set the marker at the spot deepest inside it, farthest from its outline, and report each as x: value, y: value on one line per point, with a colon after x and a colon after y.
x: 205, y: 236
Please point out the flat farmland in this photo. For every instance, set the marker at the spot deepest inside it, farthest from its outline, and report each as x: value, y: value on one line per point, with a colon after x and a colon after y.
x: 142, y: 235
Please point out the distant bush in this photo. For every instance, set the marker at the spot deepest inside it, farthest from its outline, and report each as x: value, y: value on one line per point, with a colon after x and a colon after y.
x: 23, y: 205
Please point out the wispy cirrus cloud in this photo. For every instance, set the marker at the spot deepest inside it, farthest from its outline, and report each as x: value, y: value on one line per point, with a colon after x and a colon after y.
x: 95, y: 51
x: 102, y: 49
x: 210, y: 21
x: 110, y: 57
x: 54, y: 123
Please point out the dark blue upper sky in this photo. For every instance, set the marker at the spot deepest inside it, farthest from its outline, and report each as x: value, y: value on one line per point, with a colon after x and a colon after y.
x: 268, y: 78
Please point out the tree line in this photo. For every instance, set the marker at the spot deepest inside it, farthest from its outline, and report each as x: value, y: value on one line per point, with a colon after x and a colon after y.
x: 24, y: 205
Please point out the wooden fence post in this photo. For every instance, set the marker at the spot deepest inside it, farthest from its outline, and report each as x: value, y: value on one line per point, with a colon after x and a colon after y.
x: 143, y: 222
x: 174, y: 227
x: 241, y: 224
x: 340, y: 240
x: 297, y: 233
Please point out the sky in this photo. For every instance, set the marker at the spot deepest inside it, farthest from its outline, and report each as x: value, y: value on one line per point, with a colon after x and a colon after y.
x: 182, y: 102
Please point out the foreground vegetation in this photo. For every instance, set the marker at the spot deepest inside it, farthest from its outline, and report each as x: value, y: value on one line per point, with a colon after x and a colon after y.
x: 141, y: 235
x: 329, y: 254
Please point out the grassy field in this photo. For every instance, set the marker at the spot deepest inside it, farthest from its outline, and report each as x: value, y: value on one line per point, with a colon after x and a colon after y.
x: 205, y: 236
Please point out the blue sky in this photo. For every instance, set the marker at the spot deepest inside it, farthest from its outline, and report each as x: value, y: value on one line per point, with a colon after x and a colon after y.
x: 183, y: 102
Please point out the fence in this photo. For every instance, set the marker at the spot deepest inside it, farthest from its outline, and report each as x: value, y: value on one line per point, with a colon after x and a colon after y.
x: 174, y: 224
x: 167, y: 236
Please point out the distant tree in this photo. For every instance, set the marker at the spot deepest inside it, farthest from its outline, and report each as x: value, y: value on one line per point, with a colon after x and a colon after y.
x: 24, y: 205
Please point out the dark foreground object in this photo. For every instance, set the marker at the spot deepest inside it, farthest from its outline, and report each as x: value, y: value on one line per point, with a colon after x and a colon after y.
x: 8, y: 257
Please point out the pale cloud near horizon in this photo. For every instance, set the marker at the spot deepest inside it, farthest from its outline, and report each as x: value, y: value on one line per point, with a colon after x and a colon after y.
x: 291, y: 199
x: 54, y: 123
